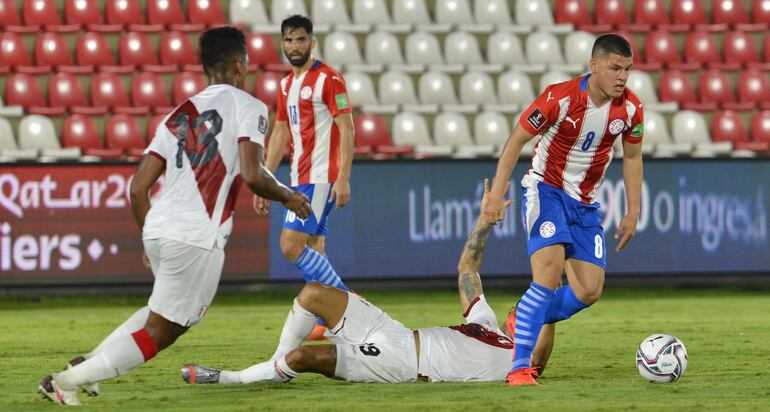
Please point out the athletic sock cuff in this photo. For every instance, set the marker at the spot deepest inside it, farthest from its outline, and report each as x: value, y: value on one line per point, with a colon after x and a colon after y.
x: 283, y: 370
x: 145, y: 343
x: 300, y: 311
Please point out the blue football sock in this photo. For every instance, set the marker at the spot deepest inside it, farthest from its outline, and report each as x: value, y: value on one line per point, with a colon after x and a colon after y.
x: 530, y: 314
x: 316, y: 268
x: 563, y: 305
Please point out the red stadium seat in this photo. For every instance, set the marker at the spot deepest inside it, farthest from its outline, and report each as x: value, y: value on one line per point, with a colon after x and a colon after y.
x: 372, y: 133
x: 187, y: 84
x: 51, y: 49
x: 760, y: 12
x: 760, y: 128
x: 739, y: 48
x: 261, y: 50
x: 13, y: 50
x: 205, y: 11
x: 692, y: 13
x: 266, y: 88
x: 122, y: 132
x: 152, y: 126
x: 651, y: 12
x: 675, y: 86
x: 611, y: 12
x: 753, y: 87
x: 41, y: 12
x: 728, y: 126
x: 714, y: 87
x: 123, y: 12
x: 729, y: 12
x: 166, y: 12
x: 93, y: 49
x: 136, y: 49
x: 701, y: 47
x: 107, y: 90
x: 576, y: 12
x: 66, y: 90
x: 9, y: 15
x: 80, y: 131
x: 82, y: 12
x: 660, y: 47
x: 147, y: 89
x: 24, y: 89
x: 176, y: 48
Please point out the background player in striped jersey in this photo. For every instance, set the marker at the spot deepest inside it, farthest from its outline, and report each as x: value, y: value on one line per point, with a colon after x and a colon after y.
x: 577, y: 123
x: 370, y: 346
x: 204, y: 148
x: 315, y: 116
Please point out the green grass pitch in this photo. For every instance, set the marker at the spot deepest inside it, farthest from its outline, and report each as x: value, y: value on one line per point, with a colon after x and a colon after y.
x: 727, y: 334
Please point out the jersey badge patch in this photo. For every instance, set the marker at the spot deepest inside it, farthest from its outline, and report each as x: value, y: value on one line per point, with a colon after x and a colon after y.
x: 262, y: 126
x: 547, y: 229
x: 617, y: 126
x: 342, y: 101
x: 305, y: 93
x: 536, y: 119
x: 638, y: 130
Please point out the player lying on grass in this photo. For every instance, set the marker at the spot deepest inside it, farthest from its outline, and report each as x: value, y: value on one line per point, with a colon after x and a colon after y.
x: 370, y: 346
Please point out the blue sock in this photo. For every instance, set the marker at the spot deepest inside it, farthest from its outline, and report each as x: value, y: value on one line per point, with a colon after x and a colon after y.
x: 563, y: 305
x: 316, y: 268
x: 530, y: 314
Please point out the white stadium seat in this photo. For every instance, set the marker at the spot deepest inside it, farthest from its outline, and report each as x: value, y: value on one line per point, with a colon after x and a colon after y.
x: 410, y: 11
x: 453, y: 12
x: 330, y: 12
x: 477, y: 88
x: 543, y: 47
x: 515, y: 87
x: 552, y: 77
x: 383, y: 47
x: 37, y: 132
x: 689, y: 127
x: 423, y: 48
x: 397, y: 88
x: 641, y: 83
x: 370, y: 12
x: 462, y: 48
x: 492, y: 11
x: 452, y: 129
x: 360, y: 89
x: 491, y: 128
x: 577, y: 47
x: 537, y: 12
x: 251, y: 12
x: 9, y: 150
x: 436, y: 88
x: 505, y: 48
x: 342, y: 48
x: 285, y: 8
x: 412, y: 129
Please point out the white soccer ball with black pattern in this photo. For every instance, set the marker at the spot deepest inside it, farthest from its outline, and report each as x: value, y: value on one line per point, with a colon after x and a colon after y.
x: 661, y: 358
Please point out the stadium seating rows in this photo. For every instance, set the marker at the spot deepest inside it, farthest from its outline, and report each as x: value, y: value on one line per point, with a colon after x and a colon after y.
x: 487, y: 58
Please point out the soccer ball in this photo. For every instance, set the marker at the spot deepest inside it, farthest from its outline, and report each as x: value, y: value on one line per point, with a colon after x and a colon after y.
x: 661, y: 358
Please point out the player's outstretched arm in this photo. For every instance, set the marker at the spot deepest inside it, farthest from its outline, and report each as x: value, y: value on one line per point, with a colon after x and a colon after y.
x: 468, y: 279
x: 264, y: 184
x: 495, y: 210
x: 632, y: 178
x: 147, y: 173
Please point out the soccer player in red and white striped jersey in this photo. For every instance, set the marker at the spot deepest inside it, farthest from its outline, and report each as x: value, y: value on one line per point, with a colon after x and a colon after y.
x: 577, y: 123
x: 315, y: 116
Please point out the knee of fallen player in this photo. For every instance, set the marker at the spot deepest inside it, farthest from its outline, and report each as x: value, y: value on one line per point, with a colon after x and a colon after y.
x: 319, y: 359
x: 313, y: 296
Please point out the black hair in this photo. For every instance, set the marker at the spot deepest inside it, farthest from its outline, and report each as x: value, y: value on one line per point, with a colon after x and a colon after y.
x: 218, y: 46
x: 297, y: 22
x: 611, y: 43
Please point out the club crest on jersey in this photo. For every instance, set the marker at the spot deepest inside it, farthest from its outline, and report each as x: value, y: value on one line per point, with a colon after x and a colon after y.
x: 547, y: 229
x: 536, y: 119
x: 617, y: 126
x: 306, y: 92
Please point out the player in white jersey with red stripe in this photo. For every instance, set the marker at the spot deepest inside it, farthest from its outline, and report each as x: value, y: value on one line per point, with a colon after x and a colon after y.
x: 577, y: 123
x: 314, y: 116
x: 370, y: 346
x: 205, y: 148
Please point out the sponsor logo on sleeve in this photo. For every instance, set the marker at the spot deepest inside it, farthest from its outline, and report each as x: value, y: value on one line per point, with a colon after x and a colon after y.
x: 638, y: 130
x: 342, y: 101
x: 536, y: 119
x: 262, y: 124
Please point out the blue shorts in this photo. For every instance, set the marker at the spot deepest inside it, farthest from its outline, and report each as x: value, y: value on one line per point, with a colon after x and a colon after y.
x: 315, y: 224
x: 551, y: 216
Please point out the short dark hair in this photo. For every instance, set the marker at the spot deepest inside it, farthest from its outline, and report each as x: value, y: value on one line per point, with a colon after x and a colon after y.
x: 611, y: 43
x: 218, y: 46
x: 297, y: 22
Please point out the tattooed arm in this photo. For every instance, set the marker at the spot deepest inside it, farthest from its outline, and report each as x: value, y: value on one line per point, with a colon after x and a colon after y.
x: 468, y: 279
